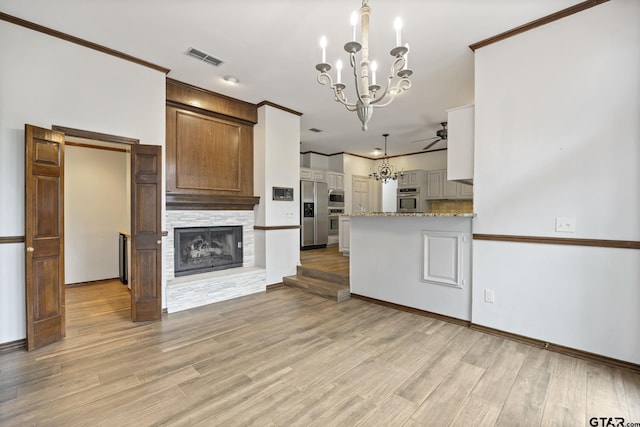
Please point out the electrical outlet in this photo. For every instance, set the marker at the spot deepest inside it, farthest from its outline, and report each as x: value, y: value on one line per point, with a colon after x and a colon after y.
x: 565, y: 225
x: 489, y: 296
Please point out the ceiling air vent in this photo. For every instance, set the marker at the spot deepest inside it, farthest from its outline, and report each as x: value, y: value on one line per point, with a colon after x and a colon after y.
x: 204, y: 57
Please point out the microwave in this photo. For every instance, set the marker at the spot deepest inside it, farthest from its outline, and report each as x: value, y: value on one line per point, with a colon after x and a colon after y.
x: 336, y: 199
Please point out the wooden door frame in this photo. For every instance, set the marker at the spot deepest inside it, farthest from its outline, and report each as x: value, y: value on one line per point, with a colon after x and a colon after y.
x: 79, y: 133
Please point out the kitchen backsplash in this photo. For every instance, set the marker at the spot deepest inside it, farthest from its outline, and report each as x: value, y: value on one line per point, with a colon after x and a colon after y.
x: 450, y: 206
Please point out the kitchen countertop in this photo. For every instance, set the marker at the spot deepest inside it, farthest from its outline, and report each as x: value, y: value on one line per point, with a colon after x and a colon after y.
x: 416, y: 214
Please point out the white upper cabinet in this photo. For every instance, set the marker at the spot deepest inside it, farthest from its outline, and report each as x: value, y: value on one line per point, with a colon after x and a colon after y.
x: 440, y: 187
x: 460, y: 142
x: 335, y: 180
x: 414, y: 177
x: 312, y: 174
x: 435, y: 184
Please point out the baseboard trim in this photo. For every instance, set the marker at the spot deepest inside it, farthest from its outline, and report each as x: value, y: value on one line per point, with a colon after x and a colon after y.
x: 568, y: 351
x: 274, y: 286
x: 412, y: 310
x: 13, y: 346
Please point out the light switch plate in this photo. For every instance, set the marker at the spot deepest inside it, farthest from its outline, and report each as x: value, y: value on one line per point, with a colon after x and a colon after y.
x: 565, y: 225
x: 489, y: 296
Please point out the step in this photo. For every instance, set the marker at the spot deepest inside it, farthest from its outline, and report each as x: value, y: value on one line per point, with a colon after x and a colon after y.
x: 322, y: 275
x: 335, y: 291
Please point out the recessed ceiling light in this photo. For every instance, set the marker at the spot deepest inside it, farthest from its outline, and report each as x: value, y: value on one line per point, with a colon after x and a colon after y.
x: 231, y: 79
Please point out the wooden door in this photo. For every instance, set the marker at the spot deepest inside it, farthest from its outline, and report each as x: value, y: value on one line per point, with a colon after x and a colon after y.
x: 44, y: 235
x: 146, y: 233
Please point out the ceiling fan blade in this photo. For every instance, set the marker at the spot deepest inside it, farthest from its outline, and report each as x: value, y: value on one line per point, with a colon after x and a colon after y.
x: 424, y: 139
x: 432, y: 144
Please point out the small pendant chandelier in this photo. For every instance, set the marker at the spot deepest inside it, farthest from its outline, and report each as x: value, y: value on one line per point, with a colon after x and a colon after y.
x: 386, y: 172
x: 367, y: 91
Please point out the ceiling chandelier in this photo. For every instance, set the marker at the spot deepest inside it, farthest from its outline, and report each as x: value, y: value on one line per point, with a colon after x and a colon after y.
x: 367, y: 91
x: 386, y: 172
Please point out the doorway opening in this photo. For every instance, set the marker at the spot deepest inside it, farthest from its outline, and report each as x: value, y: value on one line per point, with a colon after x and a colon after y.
x: 97, y: 212
x: 44, y: 230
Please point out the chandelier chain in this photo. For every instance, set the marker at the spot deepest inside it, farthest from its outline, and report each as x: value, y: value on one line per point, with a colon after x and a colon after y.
x: 386, y: 171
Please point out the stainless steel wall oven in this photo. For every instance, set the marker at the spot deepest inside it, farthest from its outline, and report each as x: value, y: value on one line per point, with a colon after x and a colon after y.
x: 410, y: 200
x: 334, y: 220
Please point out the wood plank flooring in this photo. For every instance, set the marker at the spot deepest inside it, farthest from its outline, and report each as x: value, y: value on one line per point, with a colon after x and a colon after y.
x: 323, y: 272
x: 288, y: 358
x: 326, y: 259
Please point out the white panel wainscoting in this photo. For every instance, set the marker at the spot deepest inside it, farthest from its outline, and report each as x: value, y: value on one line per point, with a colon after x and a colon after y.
x: 200, y: 289
x: 442, y: 258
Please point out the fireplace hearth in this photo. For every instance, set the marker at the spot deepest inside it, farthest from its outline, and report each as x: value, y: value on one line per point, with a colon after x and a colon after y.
x: 202, y: 249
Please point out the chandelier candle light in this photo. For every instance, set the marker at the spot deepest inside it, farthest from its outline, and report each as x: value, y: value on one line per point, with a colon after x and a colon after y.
x: 386, y: 172
x: 367, y: 91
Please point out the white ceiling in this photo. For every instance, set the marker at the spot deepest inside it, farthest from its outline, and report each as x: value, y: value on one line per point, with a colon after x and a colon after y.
x: 272, y: 46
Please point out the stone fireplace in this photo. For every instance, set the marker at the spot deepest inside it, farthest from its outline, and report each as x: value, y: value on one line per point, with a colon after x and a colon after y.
x: 207, y: 236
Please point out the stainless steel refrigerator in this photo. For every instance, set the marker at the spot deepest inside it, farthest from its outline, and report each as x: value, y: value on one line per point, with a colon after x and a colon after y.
x: 314, y: 210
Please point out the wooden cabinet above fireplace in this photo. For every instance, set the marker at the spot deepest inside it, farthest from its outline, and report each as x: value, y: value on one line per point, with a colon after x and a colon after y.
x: 209, y: 150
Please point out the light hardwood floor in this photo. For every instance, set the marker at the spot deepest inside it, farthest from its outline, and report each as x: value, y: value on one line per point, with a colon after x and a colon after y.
x: 326, y: 259
x: 288, y: 358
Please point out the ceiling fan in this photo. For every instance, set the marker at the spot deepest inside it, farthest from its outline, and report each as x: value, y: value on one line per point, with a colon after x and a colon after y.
x: 441, y: 136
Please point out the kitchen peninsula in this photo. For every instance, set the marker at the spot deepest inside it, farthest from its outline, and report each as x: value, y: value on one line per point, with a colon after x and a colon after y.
x: 418, y: 260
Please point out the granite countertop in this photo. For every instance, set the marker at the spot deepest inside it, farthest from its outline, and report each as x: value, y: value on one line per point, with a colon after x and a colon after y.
x: 420, y: 214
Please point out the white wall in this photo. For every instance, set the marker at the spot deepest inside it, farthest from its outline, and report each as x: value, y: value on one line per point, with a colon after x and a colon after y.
x: 424, y: 161
x: 557, y: 134
x: 396, y: 274
x: 46, y: 81
x: 276, y: 164
x: 336, y: 163
x: 95, y: 196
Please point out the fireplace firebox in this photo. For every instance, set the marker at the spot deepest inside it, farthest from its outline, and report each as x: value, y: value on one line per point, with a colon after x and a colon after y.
x: 202, y: 249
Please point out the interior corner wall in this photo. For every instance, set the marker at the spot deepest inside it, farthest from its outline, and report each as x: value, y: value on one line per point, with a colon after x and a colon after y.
x: 556, y: 135
x: 318, y: 161
x: 277, y: 164
x: 336, y: 162
x: 46, y: 81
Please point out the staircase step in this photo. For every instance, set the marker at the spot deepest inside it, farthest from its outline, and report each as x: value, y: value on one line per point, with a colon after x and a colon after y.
x: 323, y: 275
x: 327, y: 289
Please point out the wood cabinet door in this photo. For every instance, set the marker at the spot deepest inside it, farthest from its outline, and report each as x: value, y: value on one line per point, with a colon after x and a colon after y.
x: 44, y: 235
x: 146, y: 232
